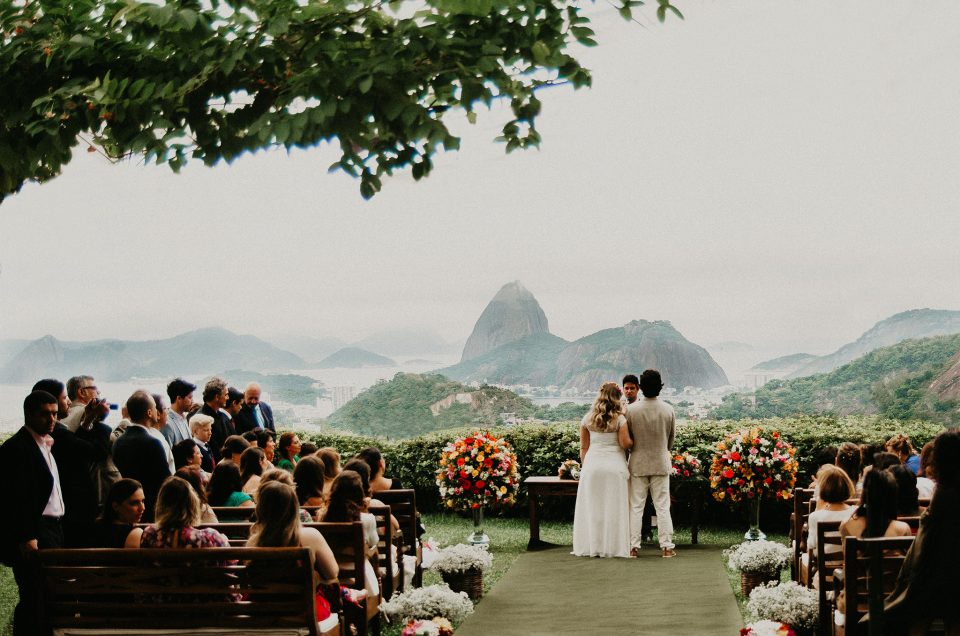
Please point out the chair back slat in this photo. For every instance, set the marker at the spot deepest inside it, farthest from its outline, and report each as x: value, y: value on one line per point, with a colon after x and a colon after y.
x: 403, y: 506
x: 859, y: 583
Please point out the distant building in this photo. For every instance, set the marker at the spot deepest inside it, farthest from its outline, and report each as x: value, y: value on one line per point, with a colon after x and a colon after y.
x: 341, y: 395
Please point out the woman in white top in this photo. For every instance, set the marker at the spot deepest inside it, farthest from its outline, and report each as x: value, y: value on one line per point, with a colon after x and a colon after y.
x: 601, y: 521
x: 835, y: 488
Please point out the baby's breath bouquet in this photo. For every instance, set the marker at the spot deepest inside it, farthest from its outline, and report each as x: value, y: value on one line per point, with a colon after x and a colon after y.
x: 462, y: 558
x: 758, y: 557
x: 427, y: 603
x: 789, y: 603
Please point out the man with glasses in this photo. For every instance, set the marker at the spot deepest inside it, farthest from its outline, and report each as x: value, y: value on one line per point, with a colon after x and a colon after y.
x: 82, y: 390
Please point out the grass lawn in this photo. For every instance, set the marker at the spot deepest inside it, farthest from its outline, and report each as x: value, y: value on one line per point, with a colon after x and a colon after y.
x: 508, y: 539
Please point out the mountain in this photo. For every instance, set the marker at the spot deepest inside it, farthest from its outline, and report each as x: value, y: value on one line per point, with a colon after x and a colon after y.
x: 354, y: 358
x: 785, y: 364
x: 916, y: 323
x: 309, y: 348
x: 407, y: 341
x: 512, y: 314
x: 414, y: 404
x: 200, y: 351
x: 913, y: 379
x: 530, y: 360
x: 544, y: 359
x: 609, y: 354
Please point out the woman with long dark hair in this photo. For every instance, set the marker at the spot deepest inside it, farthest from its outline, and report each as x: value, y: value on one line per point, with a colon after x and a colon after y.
x: 601, y: 521
x: 178, y: 511
x: 253, y: 462
x: 226, y: 489
x: 288, y: 451
x: 122, y: 511
x: 348, y: 503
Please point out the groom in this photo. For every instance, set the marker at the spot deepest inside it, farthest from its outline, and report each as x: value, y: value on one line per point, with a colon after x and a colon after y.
x: 651, y: 422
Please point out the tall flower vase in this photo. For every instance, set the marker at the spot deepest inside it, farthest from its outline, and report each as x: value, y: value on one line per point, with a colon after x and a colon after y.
x: 754, y: 533
x: 478, y: 536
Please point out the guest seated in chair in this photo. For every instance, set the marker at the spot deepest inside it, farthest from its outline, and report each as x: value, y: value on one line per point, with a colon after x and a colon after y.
x: 928, y: 586
x: 226, y: 489
x: 835, y: 488
x: 122, y: 511
x: 253, y: 462
x: 378, y: 481
x: 348, y: 502
x: 177, y: 512
x: 308, y: 476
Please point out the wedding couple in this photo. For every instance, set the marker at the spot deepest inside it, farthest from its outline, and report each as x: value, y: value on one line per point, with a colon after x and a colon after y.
x: 613, y: 490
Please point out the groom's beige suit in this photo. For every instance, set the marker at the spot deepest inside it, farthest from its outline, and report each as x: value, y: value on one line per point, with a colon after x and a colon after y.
x: 652, y: 424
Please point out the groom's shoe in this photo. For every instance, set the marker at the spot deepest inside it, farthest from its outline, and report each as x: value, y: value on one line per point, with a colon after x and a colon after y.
x: 669, y: 553
x: 634, y: 553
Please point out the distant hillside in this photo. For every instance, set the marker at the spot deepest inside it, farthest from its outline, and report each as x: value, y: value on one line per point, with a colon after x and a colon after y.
x: 200, y: 351
x: 354, y: 358
x: 543, y: 359
x: 916, y: 323
x: 407, y: 341
x: 609, y: 354
x: 511, y: 315
x: 898, y: 381
x: 530, y: 360
x: 309, y: 348
x: 288, y: 388
x: 786, y: 364
x: 401, y: 407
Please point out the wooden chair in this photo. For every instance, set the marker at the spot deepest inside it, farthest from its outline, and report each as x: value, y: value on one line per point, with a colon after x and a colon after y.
x: 349, y: 548
x: 403, y: 505
x: 229, y: 514
x: 256, y: 590
x: 861, y: 578
x: 823, y: 565
x: 389, y: 569
x: 801, y: 511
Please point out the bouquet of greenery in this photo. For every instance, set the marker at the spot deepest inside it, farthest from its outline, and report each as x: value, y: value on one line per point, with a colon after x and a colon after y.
x: 569, y: 469
x: 477, y: 470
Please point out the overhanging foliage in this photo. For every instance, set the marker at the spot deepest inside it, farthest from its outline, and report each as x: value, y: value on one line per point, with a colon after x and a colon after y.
x: 175, y: 80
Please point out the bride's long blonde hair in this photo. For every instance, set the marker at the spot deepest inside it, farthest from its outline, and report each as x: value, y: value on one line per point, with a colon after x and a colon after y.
x: 607, y: 408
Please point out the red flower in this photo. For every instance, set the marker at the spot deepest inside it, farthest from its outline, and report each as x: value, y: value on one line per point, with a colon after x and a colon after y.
x: 735, y: 456
x: 461, y: 461
x: 768, y: 480
x: 488, y: 462
x: 728, y: 473
x: 479, y: 484
x: 686, y: 473
x: 464, y: 474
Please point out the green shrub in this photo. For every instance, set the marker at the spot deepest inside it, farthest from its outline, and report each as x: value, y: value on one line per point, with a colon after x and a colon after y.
x: 540, y: 449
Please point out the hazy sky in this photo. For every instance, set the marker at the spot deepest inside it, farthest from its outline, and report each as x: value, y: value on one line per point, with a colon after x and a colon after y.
x: 778, y: 173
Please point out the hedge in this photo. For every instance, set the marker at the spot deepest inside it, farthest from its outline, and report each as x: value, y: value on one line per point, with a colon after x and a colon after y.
x: 541, y: 448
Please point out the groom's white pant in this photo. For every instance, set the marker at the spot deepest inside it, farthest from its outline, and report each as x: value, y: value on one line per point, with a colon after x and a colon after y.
x: 657, y: 487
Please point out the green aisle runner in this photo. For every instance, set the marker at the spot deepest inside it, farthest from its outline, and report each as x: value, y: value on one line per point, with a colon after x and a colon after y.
x: 553, y: 592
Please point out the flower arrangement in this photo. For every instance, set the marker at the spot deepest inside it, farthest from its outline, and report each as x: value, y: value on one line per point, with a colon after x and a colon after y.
x: 685, y: 468
x: 478, y: 470
x: 753, y: 463
x: 462, y: 558
x: 789, y: 603
x: 767, y: 628
x: 758, y: 557
x: 428, y: 603
x: 569, y: 469
x: 437, y: 626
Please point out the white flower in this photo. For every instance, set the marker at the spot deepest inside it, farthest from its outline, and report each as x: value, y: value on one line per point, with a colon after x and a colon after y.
x: 461, y: 558
x: 789, y: 603
x: 765, y: 628
x: 427, y: 602
x: 758, y: 557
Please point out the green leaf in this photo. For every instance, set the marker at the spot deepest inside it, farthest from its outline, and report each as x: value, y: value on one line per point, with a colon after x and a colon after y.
x: 471, y: 117
x: 188, y: 18
x: 365, y: 84
x: 540, y: 52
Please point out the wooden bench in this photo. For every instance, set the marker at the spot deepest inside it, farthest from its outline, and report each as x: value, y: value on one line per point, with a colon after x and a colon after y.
x: 861, y: 578
x: 230, y: 514
x: 824, y: 565
x: 248, y: 590
x: 389, y: 569
x: 403, y: 505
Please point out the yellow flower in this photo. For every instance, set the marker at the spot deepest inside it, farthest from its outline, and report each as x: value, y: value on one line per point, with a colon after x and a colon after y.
x: 503, y: 490
x: 476, y: 472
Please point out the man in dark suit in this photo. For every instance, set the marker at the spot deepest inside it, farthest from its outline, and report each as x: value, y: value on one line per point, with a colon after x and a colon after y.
x: 35, y: 506
x: 254, y: 414
x: 214, y: 399
x: 138, y: 454
x: 77, y: 454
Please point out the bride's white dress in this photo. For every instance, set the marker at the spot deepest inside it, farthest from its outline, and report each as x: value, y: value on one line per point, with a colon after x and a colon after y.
x: 601, y: 523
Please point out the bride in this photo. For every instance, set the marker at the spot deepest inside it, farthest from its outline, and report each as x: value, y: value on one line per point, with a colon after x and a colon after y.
x: 601, y: 523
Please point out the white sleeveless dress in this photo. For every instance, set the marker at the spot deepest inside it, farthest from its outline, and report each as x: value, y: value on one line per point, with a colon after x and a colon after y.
x: 601, y: 523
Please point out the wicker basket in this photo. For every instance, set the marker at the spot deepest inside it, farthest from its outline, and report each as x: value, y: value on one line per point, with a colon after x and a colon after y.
x: 470, y: 582
x: 750, y: 580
